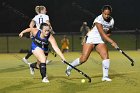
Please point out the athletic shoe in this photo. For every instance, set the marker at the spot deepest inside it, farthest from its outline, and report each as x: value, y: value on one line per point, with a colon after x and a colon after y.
x: 48, y: 61
x: 106, y: 79
x: 32, y: 71
x: 68, y: 72
x: 25, y: 60
x: 45, y: 80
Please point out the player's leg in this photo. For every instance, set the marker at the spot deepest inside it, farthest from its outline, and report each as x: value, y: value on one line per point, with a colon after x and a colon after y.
x: 63, y: 49
x: 103, y: 52
x: 39, y: 54
x: 67, y: 49
x: 27, y: 56
x: 46, y: 54
x: 33, y: 66
x: 87, y: 48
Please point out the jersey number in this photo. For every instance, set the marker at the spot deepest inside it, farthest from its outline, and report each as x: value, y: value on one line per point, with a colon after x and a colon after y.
x: 40, y: 20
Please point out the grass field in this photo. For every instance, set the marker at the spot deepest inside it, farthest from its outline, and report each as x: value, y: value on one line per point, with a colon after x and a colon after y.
x: 15, y: 76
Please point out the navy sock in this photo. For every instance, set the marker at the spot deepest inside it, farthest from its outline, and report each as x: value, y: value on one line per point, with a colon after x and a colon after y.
x: 34, y: 65
x: 28, y: 55
x: 43, y: 70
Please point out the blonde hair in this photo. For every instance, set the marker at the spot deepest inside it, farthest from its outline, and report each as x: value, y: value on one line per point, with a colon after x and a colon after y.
x: 38, y: 9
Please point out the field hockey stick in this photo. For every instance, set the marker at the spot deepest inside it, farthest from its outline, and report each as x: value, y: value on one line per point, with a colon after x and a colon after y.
x: 131, y: 60
x: 85, y: 75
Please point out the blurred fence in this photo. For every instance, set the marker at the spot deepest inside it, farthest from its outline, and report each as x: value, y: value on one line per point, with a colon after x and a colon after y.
x: 127, y: 40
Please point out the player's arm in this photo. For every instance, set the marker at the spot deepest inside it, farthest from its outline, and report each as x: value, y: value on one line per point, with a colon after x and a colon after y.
x: 48, y: 22
x: 103, y: 34
x: 32, y: 24
x: 108, y: 32
x: 31, y: 30
x: 55, y: 47
x: 81, y: 28
x: 88, y: 29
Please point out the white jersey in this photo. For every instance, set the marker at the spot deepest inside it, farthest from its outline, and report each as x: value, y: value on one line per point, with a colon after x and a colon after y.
x: 94, y: 35
x: 40, y: 18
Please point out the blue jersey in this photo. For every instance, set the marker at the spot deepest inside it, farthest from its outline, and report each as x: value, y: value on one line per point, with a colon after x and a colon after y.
x: 41, y: 43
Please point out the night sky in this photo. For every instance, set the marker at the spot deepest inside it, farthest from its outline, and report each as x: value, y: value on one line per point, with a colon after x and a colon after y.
x: 67, y: 15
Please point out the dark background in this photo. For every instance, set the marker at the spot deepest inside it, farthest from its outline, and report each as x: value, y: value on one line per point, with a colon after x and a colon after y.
x: 67, y: 15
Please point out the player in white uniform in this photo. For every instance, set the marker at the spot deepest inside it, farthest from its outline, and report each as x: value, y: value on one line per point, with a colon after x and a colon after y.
x: 41, y: 17
x: 101, y: 28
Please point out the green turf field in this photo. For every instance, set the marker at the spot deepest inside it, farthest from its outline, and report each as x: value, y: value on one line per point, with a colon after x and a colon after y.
x: 15, y: 76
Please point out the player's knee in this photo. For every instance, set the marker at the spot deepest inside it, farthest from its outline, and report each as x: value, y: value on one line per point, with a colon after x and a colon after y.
x: 42, y: 60
x: 104, y: 55
x: 42, y: 65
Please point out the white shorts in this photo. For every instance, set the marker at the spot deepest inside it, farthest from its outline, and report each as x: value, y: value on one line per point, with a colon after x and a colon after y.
x: 94, y: 40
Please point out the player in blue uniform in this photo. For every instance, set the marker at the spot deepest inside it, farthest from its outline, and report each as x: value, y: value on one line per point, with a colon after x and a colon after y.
x: 41, y: 17
x: 41, y: 39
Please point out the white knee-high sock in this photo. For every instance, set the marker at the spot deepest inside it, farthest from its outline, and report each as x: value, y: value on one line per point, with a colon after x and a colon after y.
x: 105, y: 65
x: 75, y: 63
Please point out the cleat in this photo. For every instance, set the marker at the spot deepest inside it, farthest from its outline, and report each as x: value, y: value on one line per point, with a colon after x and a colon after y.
x: 48, y: 61
x: 25, y: 60
x: 32, y: 72
x: 45, y: 80
x: 68, y: 72
x: 106, y: 79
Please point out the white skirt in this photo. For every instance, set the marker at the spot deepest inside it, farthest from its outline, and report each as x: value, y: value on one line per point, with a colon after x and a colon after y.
x: 94, y: 40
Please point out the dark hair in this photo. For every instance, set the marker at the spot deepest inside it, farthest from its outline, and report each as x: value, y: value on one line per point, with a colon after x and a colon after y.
x: 107, y: 7
x: 42, y: 25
